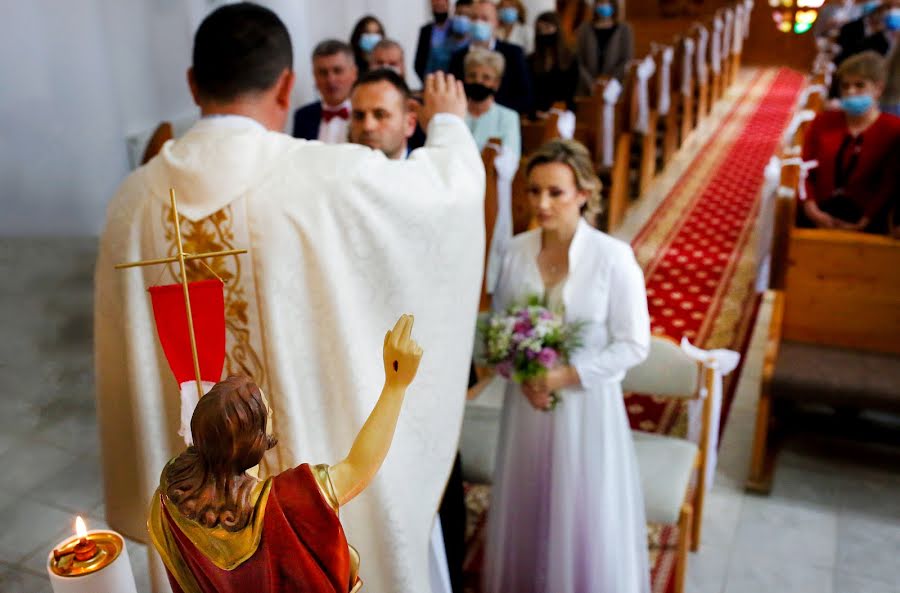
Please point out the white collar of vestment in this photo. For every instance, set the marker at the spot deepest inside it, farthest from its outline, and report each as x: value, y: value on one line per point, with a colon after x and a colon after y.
x: 231, y: 120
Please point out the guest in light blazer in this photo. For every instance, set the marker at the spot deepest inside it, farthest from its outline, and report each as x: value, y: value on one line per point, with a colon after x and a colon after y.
x: 604, y: 47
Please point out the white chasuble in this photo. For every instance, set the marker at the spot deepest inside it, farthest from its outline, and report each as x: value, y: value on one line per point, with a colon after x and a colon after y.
x: 341, y: 242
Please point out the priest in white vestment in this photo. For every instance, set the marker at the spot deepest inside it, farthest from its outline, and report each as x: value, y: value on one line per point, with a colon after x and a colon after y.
x: 341, y: 240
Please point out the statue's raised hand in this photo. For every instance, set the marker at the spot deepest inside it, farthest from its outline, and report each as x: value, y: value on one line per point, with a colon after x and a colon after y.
x: 401, y: 354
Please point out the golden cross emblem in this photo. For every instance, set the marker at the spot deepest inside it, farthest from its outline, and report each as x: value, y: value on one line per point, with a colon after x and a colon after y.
x: 181, y: 258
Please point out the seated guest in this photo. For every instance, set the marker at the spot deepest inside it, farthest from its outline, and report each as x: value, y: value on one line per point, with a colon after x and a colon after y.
x: 334, y: 73
x: 387, y: 53
x: 513, y: 28
x: 381, y: 115
x: 515, y: 89
x: 858, y: 151
x: 438, y: 43
x: 487, y: 119
x: 553, y: 66
x: 605, y: 46
x: 366, y: 35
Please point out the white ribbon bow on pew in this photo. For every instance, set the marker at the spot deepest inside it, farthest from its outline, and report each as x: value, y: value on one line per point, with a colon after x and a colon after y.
x: 644, y: 71
x: 687, y: 63
x: 703, y: 39
x: 727, y: 47
x: 748, y: 4
x: 506, y: 164
x: 610, y: 98
x: 715, y: 50
x: 805, y: 168
x: 565, y: 123
x: 665, y: 84
x: 721, y: 362
x: 740, y: 15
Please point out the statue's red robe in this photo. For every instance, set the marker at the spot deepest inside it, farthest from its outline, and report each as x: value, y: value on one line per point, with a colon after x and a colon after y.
x: 298, y: 544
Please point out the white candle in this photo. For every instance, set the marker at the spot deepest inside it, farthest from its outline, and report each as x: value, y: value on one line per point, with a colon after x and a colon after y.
x: 91, y: 562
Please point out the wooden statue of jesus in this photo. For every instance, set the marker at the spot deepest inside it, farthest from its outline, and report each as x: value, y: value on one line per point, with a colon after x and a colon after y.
x: 220, y: 530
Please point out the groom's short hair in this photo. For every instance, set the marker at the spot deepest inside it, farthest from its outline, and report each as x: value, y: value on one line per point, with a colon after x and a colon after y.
x: 240, y: 49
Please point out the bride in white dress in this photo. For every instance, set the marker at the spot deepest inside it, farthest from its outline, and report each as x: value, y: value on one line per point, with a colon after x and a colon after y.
x: 567, y: 513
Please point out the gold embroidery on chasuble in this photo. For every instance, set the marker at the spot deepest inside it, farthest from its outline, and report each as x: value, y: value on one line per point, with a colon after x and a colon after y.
x: 244, y: 352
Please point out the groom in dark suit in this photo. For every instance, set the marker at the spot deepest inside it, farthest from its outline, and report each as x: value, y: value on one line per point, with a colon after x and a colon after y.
x: 515, y: 89
x: 334, y: 70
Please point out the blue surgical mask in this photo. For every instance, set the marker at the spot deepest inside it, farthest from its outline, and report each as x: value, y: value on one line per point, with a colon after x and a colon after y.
x: 368, y: 41
x: 461, y: 25
x: 857, y: 104
x: 892, y: 19
x: 604, y: 11
x: 509, y: 15
x: 482, y: 31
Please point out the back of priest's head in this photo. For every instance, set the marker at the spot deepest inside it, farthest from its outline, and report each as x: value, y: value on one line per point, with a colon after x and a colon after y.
x: 242, y: 53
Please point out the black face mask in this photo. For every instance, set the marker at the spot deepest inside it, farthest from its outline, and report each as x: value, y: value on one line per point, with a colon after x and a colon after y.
x: 478, y: 92
x: 441, y: 17
x: 546, y: 39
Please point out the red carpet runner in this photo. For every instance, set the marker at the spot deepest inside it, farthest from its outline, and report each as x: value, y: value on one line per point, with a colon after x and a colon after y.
x: 697, y: 256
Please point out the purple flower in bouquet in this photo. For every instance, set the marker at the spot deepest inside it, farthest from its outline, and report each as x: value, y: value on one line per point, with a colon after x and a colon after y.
x: 523, y: 326
x: 505, y: 369
x: 547, y: 357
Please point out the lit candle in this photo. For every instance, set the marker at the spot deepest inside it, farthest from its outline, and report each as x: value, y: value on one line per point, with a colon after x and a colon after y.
x: 90, y: 562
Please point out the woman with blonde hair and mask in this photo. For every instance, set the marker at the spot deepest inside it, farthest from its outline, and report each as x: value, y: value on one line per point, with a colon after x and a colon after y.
x: 567, y: 511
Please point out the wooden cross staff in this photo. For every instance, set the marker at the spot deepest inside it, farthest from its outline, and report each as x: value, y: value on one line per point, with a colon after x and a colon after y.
x: 181, y: 258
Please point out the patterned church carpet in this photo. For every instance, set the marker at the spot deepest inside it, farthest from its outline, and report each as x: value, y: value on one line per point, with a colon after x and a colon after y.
x: 697, y: 253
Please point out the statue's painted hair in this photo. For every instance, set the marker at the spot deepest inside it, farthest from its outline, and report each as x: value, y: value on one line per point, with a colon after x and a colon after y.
x: 207, y: 482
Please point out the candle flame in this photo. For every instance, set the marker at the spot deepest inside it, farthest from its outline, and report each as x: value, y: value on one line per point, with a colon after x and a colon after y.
x: 80, y: 528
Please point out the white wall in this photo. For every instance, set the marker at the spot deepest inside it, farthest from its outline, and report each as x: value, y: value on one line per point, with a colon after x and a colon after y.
x: 77, y: 77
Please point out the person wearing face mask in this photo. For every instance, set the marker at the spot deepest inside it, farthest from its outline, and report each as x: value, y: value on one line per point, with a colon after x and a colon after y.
x: 604, y: 46
x: 858, y: 154
x: 513, y: 27
x: 485, y: 118
x: 865, y: 32
x: 432, y: 40
x: 366, y: 35
x: 553, y: 66
x: 515, y: 90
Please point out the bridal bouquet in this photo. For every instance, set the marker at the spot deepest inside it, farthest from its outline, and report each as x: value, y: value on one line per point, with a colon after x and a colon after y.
x: 526, y: 341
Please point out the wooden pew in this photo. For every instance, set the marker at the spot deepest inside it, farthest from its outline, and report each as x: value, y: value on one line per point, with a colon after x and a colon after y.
x: 667, y: 122
x: 839, y: 305
x: 683, y: 84
x: 490, y: 211
x: 612, y: 168
x: 163, y: 133
x: 701, y: 73
x: 536, y: 133
x: 642, y: 150
x: 835, y: 296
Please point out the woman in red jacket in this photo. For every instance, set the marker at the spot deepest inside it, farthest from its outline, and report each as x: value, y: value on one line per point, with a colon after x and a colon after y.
x: 857, y: 147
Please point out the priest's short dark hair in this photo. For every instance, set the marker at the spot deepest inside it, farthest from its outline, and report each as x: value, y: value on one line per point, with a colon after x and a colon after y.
x: 240, y: 49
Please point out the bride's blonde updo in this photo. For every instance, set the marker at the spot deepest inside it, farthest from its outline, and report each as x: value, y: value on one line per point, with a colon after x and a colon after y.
x: 578, y: 159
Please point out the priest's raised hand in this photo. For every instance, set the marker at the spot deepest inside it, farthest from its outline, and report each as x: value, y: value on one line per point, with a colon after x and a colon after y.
x: 220, y: 530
